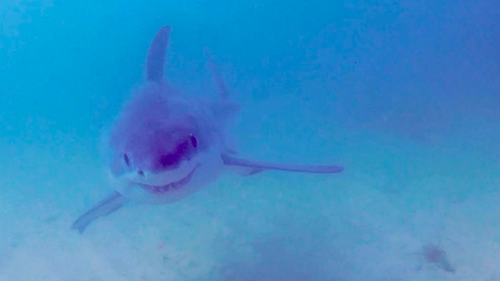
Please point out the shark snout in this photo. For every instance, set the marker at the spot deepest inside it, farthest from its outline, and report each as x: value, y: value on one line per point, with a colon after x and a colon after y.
x: 168, y: 161
x: 158, y: 158
x: 171, y: 164
x: 169, y: 174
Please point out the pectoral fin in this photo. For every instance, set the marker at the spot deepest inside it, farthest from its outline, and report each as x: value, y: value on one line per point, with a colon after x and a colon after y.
x: 258, y: 166
x: 107, y: 206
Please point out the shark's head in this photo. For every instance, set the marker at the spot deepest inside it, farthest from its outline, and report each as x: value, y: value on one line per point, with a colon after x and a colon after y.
x: 163, y: 147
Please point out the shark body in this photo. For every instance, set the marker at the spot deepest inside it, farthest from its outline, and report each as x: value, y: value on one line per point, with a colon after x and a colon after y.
x: 164, y: 147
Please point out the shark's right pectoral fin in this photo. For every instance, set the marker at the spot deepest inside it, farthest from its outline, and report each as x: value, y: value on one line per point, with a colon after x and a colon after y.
x: 107, y: 206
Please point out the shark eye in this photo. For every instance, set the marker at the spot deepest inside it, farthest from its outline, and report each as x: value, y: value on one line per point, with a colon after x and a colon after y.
x: 125, y: 158
x: 194, y: 141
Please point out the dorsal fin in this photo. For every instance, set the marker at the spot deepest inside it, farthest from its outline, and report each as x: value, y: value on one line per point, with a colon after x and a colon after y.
x: 155, y: 63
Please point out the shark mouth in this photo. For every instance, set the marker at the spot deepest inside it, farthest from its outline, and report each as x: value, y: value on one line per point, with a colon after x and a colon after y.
x: 171, y: 186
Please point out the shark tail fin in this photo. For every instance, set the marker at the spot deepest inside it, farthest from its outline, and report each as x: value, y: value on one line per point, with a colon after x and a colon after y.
x: 155, y: 63
x: 221, y: 85
x: 105, y: 207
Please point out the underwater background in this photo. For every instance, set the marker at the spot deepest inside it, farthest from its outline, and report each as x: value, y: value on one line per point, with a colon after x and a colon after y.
x: 404, y: 94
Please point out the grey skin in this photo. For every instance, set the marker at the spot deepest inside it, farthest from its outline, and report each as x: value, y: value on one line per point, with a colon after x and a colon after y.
x: 163, y: 147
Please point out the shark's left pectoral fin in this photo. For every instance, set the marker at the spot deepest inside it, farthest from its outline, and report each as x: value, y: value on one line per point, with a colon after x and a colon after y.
x: 258, y: 166
x: 107, y: 206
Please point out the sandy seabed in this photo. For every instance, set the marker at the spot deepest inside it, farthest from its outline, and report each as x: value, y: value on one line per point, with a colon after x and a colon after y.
x: 369, y: 223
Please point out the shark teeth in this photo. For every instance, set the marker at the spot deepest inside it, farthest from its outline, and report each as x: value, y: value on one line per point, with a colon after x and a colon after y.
x: 168, y: 187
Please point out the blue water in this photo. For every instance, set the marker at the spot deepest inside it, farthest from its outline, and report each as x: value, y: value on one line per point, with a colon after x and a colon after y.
x: 404, y: 95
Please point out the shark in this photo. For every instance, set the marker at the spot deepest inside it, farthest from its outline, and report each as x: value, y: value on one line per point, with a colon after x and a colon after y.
x: 163, y: 146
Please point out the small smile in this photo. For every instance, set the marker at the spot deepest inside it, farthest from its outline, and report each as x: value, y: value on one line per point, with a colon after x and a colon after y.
x: 171, y: 186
